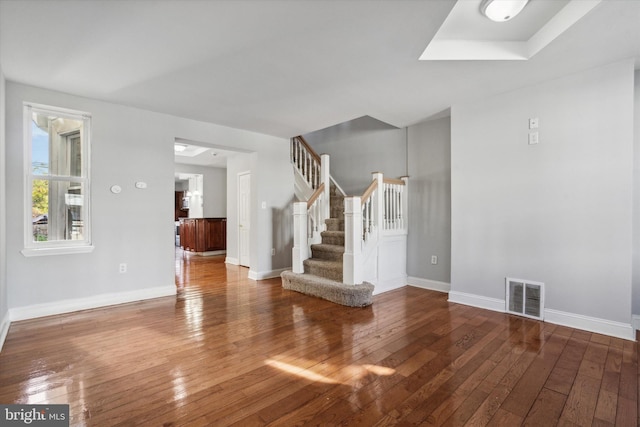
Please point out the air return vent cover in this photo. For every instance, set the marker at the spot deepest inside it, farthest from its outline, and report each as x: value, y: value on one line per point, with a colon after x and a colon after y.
x: 525, y: 298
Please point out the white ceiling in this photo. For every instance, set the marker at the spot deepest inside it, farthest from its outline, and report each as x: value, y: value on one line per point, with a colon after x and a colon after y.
x: 281, y: 67
x: 199, y: 154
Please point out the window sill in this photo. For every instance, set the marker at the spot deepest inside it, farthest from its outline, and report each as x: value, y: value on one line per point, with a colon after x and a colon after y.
x: 66, y: 250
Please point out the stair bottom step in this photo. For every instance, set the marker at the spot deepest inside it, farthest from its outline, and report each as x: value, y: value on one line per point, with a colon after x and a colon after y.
x: 348, y: 295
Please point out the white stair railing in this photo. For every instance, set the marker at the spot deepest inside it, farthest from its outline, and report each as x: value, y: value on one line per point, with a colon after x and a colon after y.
x: 395, y: 204
x: 381, y: 213
x: 306, y: 161
x: 309, y: 217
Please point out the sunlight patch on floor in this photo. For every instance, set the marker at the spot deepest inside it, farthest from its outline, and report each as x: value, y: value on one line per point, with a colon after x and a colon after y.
x: 354, y: 372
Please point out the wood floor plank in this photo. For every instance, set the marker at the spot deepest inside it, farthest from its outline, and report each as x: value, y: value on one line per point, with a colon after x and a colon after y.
x: 227, y: 350
x: 546, y: 410
x: 581, y: 403
x: 528, y: 387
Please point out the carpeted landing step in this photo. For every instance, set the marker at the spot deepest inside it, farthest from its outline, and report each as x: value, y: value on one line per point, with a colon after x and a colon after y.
x: 331, y: 290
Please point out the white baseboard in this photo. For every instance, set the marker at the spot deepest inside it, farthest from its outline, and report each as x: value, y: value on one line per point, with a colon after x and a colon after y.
x: 432, y: 285
x: 67, y: 306
x: 230, y: 260
x: 635, y: 321
x: 591, y: 324
x: 211, y: 253
x: 4, y: 328
x: 487, y: 303
x: 577, y: 321
x: 389, y: 285
x: 261, y: 275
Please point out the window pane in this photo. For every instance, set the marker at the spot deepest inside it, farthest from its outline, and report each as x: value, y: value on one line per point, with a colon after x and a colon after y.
x: 40, y: 210
x: 57, y: 210
x: 56, y: 146
x: 39, y: 150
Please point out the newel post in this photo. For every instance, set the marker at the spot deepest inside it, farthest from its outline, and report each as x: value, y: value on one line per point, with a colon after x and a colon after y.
x: 352, y: 272
x: 379, y: 200
x: 300, y: 250
x: 405, y: 203
x: 325, y: 178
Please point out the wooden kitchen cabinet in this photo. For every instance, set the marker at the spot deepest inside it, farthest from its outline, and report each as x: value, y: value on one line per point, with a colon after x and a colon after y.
x: 203, y: 234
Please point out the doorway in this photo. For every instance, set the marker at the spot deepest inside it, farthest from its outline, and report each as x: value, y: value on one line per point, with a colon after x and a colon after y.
x: 244, y: 218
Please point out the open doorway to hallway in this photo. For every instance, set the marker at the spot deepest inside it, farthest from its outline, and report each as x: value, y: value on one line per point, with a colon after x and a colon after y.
x: 207, y: 214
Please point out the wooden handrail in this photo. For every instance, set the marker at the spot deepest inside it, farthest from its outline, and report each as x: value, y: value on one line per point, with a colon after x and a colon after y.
x: 394, y: 181
x: 367, y: 193
x: 306, y: 145
x: 315, y: 195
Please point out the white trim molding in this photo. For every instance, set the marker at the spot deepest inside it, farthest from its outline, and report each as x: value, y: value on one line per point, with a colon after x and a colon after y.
x: 232, y: 261
x: 577, y: 321
x: 389, y: 285
x: 479, y: 301
x: 261, y: 275
x: 211, y: 253
x: 103, y: 300
x: 4, y: 328
x: 432, y: 285
x: 635, y: 321
x: 591, y: 324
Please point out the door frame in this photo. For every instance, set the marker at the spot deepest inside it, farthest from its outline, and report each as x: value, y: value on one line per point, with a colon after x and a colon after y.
x: 240, y: 258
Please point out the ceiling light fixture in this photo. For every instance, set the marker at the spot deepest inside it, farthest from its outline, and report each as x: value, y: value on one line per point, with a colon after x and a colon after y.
x: 178, y: 148
x: 502, y: 10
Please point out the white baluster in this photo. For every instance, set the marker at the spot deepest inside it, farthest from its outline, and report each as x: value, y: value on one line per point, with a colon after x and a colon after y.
x: 401, y: 195
x: 395, y: 207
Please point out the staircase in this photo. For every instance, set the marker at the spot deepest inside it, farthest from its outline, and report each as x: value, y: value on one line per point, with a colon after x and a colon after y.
x: 323, y: 272
x: 344, y: 246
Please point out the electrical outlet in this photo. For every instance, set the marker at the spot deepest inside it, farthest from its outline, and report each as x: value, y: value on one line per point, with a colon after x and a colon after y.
x: 123, y: 268
x: 273, y: 251
x: 434, y: 259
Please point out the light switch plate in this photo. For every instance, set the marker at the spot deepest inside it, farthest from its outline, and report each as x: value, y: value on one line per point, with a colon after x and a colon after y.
x: 533, y: 123
x: 533, y: 138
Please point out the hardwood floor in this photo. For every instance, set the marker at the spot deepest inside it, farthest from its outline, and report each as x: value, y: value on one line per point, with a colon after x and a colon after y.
x: 231, y: 351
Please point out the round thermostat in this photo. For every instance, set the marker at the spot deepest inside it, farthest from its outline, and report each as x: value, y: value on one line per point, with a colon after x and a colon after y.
x: 115, y: 189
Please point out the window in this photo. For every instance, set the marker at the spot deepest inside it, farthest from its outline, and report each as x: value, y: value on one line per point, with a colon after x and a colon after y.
x: 57, y: 183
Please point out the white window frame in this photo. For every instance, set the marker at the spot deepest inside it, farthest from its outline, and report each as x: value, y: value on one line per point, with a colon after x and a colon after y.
x: 56, y: 247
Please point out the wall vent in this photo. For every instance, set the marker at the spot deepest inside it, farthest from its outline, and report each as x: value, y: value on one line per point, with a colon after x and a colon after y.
x: 525, y: 298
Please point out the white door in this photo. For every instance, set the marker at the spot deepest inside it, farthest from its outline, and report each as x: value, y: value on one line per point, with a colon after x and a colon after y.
x: 244, y: 217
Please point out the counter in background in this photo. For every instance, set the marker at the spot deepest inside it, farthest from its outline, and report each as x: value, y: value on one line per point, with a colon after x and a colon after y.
x: 204, y: 236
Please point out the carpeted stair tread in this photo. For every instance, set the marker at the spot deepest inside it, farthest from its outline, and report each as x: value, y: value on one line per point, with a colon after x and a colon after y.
x: 349, y: 295
x: 324, y: 268
x: 334, y: 224
x: 327, y: 252
x: 333, y: 237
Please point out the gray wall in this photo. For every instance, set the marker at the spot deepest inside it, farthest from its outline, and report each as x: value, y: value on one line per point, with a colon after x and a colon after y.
x: 215, y: 188
x: 429, y: 161
x: 558, y: 212
x: 360, y: 147
x: 4, y: 307
x: 636, y: 198
x: 135, y: 226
